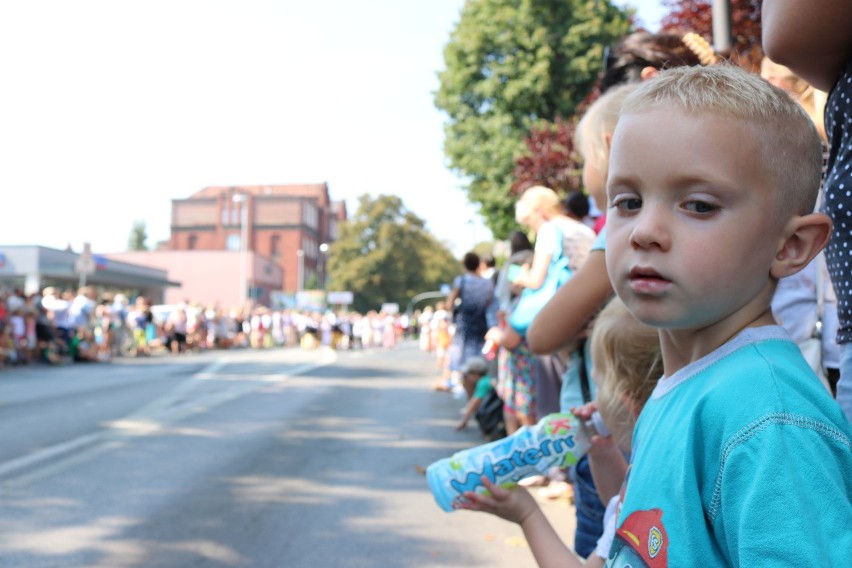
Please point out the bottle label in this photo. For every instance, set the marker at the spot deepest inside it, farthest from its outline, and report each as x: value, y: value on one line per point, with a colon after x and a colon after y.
x: 517, y: 465
x: 556, y: 441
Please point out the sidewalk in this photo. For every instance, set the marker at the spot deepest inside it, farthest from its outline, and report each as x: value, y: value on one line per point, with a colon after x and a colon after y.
x: 488, y: 540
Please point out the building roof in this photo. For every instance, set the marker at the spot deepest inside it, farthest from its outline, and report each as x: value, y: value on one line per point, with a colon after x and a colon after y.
x: 318, y: 191
x: 61, y: 264
x: 338, y: 208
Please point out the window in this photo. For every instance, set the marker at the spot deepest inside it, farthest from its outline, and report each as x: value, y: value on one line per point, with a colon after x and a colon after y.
x: 310, y: 247
x: 192, y: 242
x: 311, y: 218
x: 275, y: 245
x: 233, y: 242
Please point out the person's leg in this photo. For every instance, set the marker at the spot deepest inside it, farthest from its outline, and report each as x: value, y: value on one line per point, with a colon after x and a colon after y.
x: 844, y: 385
x: 523, y: 373
x: 510, y: 420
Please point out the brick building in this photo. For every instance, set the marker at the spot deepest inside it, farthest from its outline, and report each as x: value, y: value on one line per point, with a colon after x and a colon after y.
x: 288, y: 224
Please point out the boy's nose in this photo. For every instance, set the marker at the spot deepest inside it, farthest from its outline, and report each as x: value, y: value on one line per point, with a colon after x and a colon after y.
x: 651, y: 230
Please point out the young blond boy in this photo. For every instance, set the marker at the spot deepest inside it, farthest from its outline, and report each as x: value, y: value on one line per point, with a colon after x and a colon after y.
x: 741, y: 458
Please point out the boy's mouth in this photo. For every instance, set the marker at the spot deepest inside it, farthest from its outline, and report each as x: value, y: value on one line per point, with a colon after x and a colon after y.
x: 647, y: 280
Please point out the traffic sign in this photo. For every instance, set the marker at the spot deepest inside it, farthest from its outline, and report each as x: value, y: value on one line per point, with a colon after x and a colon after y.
x: 85, y: 263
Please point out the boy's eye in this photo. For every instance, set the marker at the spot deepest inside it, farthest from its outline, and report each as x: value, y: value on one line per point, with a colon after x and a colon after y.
x: 627, y: 203
x: 700, y: 207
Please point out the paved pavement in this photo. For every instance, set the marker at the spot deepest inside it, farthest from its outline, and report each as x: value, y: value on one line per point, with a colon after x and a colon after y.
x: 487, y: 540
x: 251, y: 459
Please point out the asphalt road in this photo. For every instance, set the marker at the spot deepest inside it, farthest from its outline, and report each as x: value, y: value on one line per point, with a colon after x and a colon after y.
x: 280, y: 458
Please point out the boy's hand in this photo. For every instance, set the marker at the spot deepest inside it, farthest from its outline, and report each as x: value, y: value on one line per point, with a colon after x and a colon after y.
x: 513, y: 505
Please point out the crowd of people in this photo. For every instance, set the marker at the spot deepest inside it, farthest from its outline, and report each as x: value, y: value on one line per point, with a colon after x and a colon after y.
x: 63, y: 326
x: 684, y: 319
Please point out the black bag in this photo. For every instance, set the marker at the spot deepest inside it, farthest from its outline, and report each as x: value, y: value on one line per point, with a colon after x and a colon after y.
x: 489, y: 415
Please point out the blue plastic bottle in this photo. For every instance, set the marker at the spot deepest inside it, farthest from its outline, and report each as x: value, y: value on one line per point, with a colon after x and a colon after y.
x: 558, y: 440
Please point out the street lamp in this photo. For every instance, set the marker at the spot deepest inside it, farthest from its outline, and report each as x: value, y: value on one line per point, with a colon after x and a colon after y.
x: 301, y: 274
x: 242, y: 200
x: 323, y: 250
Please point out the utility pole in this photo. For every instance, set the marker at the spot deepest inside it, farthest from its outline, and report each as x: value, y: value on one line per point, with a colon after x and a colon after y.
x: 722, y: 27
x: 243, y: 202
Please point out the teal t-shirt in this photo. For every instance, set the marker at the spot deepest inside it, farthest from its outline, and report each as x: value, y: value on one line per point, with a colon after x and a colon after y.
x: 742, y: 458
x: 483, y: 385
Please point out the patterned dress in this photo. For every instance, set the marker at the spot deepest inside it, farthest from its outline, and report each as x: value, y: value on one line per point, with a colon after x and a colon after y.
x: 516, y: 384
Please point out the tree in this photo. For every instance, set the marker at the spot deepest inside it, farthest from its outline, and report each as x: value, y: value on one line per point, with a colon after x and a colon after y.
x: 138, y: 236
x: 510, y: 65
x: 550, y: 156
x: 384, y: 254
x: 551, y: 159
x: 697, y: 16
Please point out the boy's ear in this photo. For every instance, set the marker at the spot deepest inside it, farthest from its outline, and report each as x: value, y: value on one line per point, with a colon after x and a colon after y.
x: 805, y: 237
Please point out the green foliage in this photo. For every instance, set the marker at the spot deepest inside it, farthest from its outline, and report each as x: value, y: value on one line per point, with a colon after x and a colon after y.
x: 511, y: 64
x: 138, y: 236
x: 312, y: 283
x: 483, y: 248
x: 384, y: 254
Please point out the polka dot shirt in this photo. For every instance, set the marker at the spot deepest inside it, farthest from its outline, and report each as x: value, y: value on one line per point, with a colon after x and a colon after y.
x: 838, y: 197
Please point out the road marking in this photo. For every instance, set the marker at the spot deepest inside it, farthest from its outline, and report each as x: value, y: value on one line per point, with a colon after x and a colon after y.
x: 151, y: 418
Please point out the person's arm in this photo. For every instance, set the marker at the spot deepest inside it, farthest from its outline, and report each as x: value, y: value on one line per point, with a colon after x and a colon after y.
x: 569, y: 310
x: 606, y: 461
x: 609, y: 468
x: 510, y: 339
x: 548, y: 549
x: 811, y: 37
x: 501, y: 290
x: 533, y: 276
x: 518, y: 506
x: 472, y: 406
x: 454, y: 293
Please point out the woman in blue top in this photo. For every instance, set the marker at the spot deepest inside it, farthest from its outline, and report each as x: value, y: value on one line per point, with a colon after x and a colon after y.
x: 475, y: 293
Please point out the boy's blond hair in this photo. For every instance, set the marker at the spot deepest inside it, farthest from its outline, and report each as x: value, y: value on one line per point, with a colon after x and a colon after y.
x: 812, y: 100
x: 537, y: 197
x: 789, y: 152
x: 598, y: 121
x: 627, y: 364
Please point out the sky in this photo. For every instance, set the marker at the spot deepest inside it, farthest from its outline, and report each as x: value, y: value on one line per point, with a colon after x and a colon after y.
x: 112, y: 108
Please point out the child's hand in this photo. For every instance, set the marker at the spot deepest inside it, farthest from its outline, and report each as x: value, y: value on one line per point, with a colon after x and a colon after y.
x: 584, y: 412
x: 600, y: 444
x: 501, y: 319
x: 495, y: 334
x: 513, y: 505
